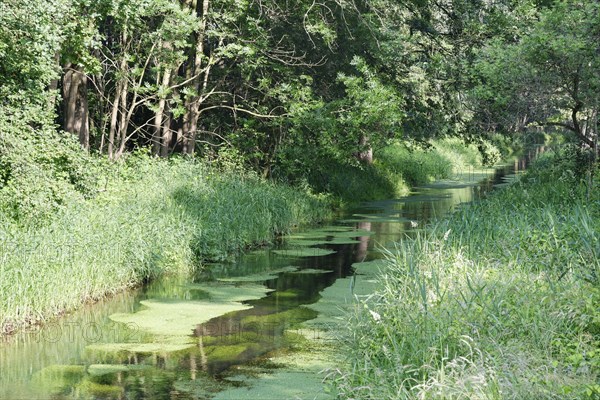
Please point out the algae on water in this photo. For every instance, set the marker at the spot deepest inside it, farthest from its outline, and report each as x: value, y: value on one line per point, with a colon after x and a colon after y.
x: 264, y: 276
x: 304, y: 252
x: 139, y: 347
x: 180, y: 317
x: 313, y: 271
x: 231, y: 293
x: 176, y: 318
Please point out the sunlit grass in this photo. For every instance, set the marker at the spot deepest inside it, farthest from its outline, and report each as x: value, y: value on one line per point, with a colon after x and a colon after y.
x: 395, y: 170
x: 446, y: 158
x: 153, y: 217
x: 501, y: 301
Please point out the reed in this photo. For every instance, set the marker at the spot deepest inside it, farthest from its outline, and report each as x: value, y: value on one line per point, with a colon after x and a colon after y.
x: 499, y: 301
x: 154, y: 217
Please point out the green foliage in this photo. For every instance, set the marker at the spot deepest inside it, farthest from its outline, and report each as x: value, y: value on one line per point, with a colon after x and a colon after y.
x: 500, y: 300
x: 41, y: 170
x: 546, y: 75
x: 370, y: 110
x: 151, y: 217
x: 30, y: 36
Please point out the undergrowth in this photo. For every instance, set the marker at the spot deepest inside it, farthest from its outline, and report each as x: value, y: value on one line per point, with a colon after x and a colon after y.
x: 500, y: 301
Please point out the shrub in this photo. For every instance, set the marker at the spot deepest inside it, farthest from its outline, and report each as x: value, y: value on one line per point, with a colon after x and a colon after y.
x: 41, y: 170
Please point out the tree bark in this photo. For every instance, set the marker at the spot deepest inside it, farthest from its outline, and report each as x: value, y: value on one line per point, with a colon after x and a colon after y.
x: 75, y: 113
x: 192, y: 114
x: 162, y: 120
x: 112, y: 133
x: 366, y: 153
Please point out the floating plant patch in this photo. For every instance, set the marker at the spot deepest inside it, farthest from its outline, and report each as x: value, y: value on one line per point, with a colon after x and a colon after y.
x: 308, y: 235
x: 337, y: 299
x: 341, y: 240
x: 291, y: 375
x: 309, y: 243
x: 181, y: 317
x: 105, y: 369
x: 148, y: 348
x: 280, y: 385
x: 352, y: 234
x: 231, y: 293
x: 96, y: 390
x: 313, y: 271
x: 320, y: 233
x: 265, y: 276
x: 225, y: 353
x: 305, y: 242
x: 353, y: 220
x: 380, y: 218
x: 335, y: 228
x: 288, y: 294
x: 370, y: 268
x: 304, y: 252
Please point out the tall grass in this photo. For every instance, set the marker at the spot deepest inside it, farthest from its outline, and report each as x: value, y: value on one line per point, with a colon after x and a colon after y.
x: 153, y: 217
x: 395, y: 170
x: 443, y: 159
x: 500, y: 301
x: 350, y: 184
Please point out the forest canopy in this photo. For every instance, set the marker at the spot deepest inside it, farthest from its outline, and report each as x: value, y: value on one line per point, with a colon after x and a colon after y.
x: 280, y: 84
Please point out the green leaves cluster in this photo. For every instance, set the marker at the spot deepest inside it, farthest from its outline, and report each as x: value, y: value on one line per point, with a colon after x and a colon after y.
x: 547, y: 74
x: 41, y: 170
x: 30, y: 37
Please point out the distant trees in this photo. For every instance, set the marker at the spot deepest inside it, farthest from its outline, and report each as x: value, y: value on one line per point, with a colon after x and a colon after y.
x: 548, y: 73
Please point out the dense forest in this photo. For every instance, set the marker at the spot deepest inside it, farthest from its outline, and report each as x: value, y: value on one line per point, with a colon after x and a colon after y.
x: 142, y: 138
x: 278, y: 85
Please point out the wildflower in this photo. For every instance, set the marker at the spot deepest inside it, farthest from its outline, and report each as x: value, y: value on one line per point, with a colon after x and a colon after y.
x: 447, y: 234
x: 375, y: 315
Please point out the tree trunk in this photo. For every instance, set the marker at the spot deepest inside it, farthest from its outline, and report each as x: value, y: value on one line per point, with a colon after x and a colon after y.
x: 113, y: 122
x: 167, y: 136
x: 192, y: 114
x: 162, y: 121
x: 365, y: 155
x: 75, y: 112
x: 125, y: 117
x: 53, y: 86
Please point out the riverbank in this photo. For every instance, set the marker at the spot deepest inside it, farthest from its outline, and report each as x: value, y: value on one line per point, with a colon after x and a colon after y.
x: 396, y: 169
x: 501, y: 300
x: 145, y: 217
x: 151, y: 217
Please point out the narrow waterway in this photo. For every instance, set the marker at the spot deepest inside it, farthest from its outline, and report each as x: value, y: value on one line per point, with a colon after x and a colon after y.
x: 216, y: 332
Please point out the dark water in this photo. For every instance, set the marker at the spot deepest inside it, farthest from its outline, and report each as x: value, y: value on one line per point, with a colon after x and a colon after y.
x: 73, y: 358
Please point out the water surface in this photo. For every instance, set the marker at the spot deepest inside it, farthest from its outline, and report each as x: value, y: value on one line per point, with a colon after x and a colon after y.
x: 215, y: 334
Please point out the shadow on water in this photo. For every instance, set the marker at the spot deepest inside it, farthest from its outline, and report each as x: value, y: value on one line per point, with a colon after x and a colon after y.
x: 179, y: 337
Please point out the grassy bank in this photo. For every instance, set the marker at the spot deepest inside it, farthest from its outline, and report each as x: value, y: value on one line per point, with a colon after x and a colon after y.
x: 150, y: 217
x: 396, y: 169
x: 500, y: 301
